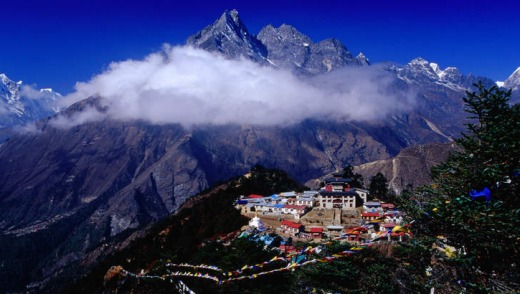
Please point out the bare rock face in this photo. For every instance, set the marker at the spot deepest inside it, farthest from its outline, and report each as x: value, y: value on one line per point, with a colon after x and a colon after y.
x: 287, y: 47
x: 290, y: 49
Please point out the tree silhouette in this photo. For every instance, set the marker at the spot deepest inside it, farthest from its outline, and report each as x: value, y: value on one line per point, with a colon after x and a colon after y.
x: 378, y: 187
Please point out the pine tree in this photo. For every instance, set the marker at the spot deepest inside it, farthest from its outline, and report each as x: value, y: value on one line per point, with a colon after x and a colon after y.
x: 378, y: 186
x: 486, y: 233
x: 490, y: 149
x: 356, y: 179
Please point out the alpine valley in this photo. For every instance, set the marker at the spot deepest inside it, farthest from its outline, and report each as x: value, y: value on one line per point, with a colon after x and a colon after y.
x: 70, y: 196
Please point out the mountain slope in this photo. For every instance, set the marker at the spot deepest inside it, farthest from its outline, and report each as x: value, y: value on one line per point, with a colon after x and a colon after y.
x: 411, y: 167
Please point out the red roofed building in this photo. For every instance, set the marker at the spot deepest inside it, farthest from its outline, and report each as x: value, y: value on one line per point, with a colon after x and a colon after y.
x: 253, y: 196
x: 316, y: 232
x: 296, y: 210
x: 387, y: 206
x: 291, y: 227
x: 369, y: 216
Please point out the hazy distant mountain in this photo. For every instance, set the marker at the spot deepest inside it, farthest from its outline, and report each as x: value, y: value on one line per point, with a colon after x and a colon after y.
x: 88, y: 183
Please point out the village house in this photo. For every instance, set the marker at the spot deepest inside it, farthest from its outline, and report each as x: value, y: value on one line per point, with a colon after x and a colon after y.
x: 363, y: 194
x: 387, y: 206
x: 337, y: 194
x: 246, y: 208
x: 255, y: 196
x: 289, y: 197
x: 296, y: 210
x: 369, y: 216
x: 291, y: 227
x: 372, y: 206
x: 306, y: 201
x: 269, y: 207
x: 344, y: 200
x: 309, y: 193
x: 316, y: 232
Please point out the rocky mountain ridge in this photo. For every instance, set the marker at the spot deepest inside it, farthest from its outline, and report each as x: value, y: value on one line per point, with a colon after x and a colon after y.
x: 283, y: 47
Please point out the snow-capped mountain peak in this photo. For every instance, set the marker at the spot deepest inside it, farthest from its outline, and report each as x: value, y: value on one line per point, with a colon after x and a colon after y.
x: 419, y: 70
x: 362, y: 59
x: 513, y: 81
x: 20, y: 104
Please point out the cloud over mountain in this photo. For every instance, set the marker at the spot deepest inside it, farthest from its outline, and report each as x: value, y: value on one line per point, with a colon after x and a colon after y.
x: 192, y: 86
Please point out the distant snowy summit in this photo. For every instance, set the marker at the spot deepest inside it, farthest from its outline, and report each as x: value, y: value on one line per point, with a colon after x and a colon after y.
x: 513, y: 82
x: 283, y: 47
x: 421, y: 71
x: 21, y: 104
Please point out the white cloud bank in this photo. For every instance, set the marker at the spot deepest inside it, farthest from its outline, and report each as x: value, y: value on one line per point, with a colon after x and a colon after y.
x: 191, y: 86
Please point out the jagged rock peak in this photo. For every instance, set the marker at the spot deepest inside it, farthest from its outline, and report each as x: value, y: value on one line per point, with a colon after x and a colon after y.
x: 229, y: 36
x: 284, y: 33
x: 362, y: 59
x: 8, y: 84
x: 283, y: 47
x: 230, y: 17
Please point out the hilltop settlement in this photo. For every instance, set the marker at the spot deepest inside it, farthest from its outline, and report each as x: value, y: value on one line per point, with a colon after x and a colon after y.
x: 336, y: 211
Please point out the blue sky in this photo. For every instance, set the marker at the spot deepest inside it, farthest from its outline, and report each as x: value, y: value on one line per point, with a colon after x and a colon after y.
x: 54, y: 43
